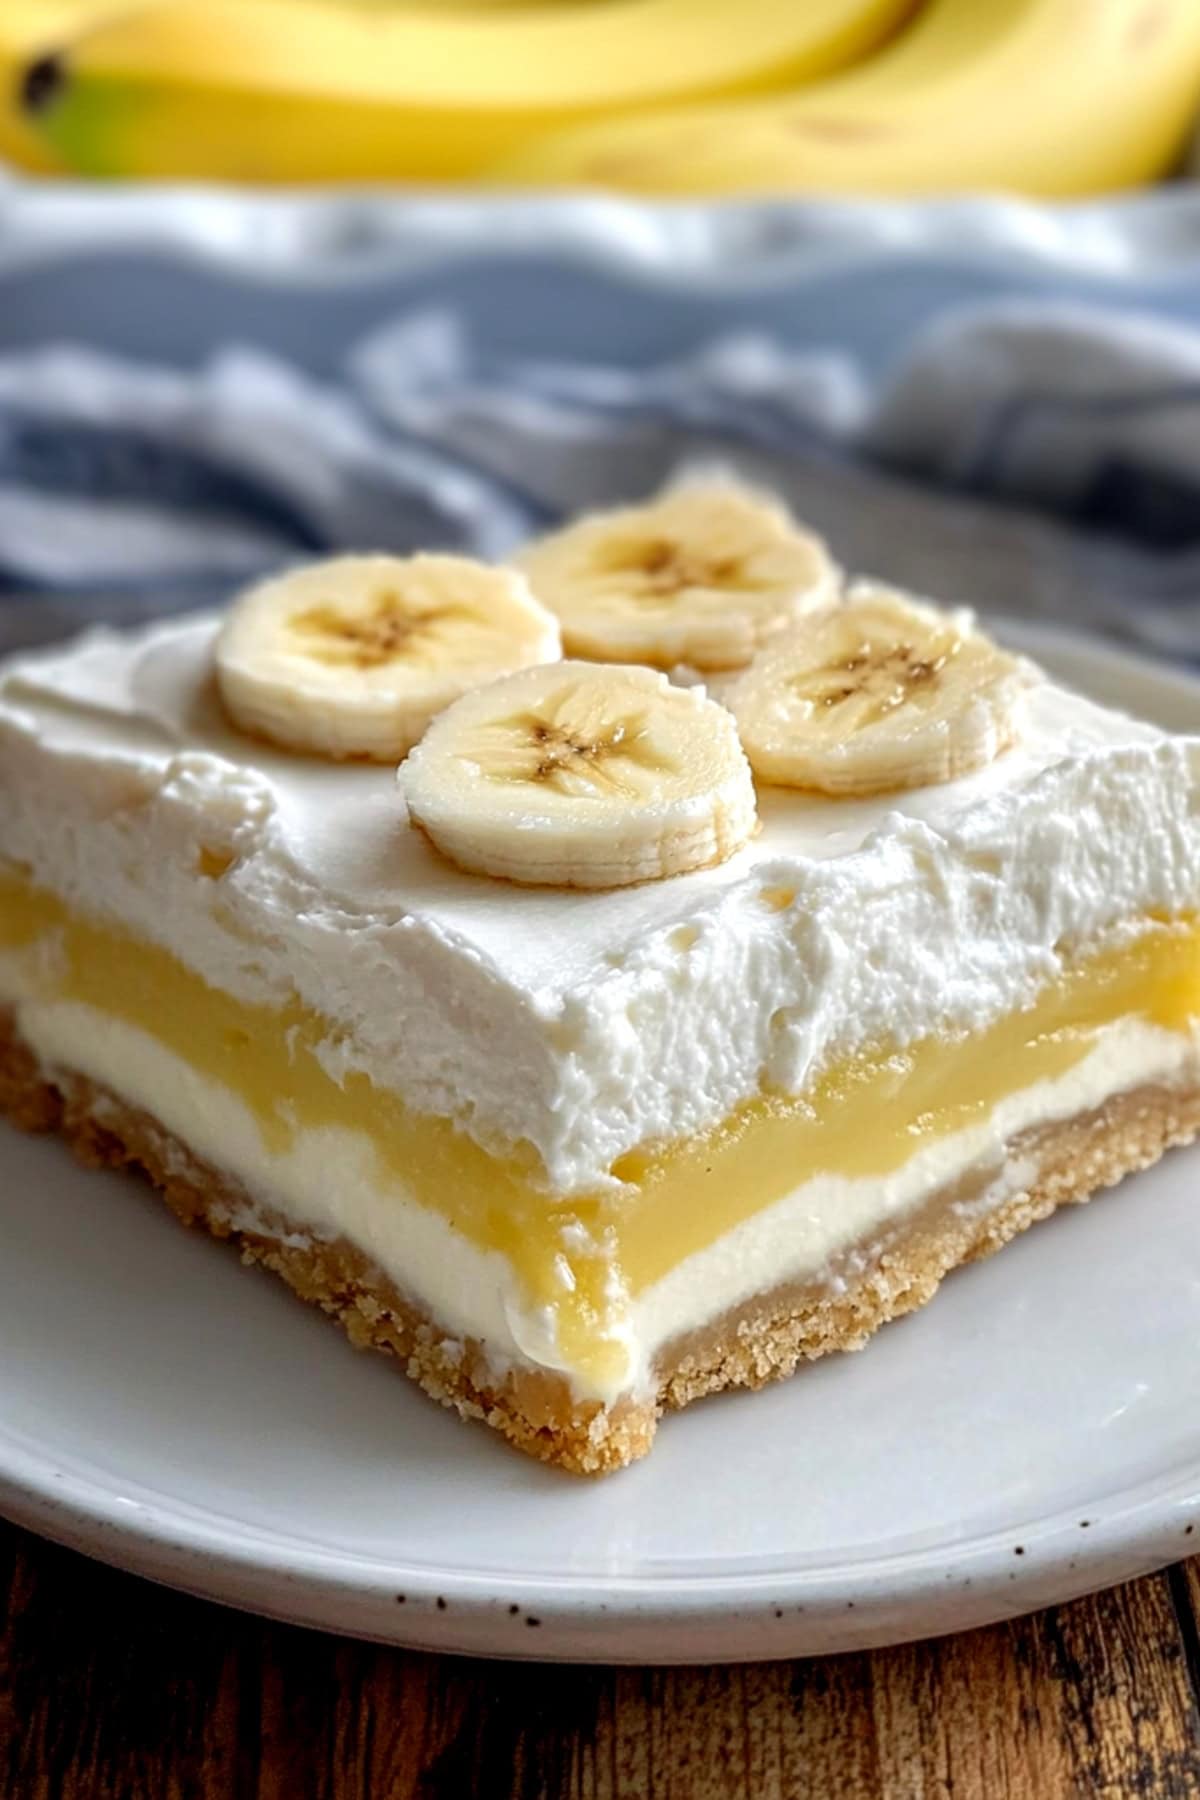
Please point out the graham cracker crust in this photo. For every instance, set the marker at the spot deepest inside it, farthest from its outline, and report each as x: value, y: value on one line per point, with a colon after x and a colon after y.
x: 761, y: 1341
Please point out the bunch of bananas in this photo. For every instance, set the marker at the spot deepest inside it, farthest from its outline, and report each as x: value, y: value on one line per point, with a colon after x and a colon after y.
x: 652, y: 96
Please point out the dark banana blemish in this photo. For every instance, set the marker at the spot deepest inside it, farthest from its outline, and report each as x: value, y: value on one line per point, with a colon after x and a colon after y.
x: 41, y: 84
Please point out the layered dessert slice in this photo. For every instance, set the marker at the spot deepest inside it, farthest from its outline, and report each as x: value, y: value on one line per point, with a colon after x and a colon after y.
x: 629, y: 1045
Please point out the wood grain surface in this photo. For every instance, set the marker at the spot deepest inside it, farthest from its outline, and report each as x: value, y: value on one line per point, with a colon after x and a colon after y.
x: 111, y: 1689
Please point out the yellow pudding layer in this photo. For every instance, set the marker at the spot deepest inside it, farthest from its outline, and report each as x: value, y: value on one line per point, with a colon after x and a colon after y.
x: 866, y: 1117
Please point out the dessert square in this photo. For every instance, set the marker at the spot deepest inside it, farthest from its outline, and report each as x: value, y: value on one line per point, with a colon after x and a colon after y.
x: 576, y: 1069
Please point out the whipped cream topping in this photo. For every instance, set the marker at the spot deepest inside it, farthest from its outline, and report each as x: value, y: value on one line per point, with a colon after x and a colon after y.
x: 582, y: 1023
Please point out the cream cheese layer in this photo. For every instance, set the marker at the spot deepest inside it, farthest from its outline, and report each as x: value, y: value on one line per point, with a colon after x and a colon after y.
x: 326, y: 1184
x: 244, y: 1087
x: 581, y: 1026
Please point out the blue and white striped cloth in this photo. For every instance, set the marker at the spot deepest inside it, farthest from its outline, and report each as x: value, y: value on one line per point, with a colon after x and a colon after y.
x: 1025, y: 457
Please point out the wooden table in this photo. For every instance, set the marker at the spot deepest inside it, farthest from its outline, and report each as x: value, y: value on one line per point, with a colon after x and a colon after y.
x: 111, y: 1689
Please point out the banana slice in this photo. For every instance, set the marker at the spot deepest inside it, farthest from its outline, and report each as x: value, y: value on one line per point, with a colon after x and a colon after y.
x: 582, y: 775
x: 879, y: 693
x: 354, y: 656
x: 704, y: 575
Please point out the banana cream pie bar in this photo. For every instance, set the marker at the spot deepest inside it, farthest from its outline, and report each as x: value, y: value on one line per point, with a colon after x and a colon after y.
x: 605, y: 980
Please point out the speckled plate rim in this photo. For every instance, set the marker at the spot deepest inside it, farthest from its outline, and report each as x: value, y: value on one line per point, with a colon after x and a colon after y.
x: 855, y: 1604
x: 780, y: 1611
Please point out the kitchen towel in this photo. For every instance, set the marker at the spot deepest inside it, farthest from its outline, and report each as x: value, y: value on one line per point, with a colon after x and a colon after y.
x: 1030, y: 458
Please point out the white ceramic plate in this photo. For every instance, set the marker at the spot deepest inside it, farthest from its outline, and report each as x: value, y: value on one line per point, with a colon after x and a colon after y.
x: 1031, y: 1435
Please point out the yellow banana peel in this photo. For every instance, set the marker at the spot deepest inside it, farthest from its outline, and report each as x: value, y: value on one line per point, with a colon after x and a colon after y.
x: 662, y: 97
x: 300, y: 90
x: 1043, y: 97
